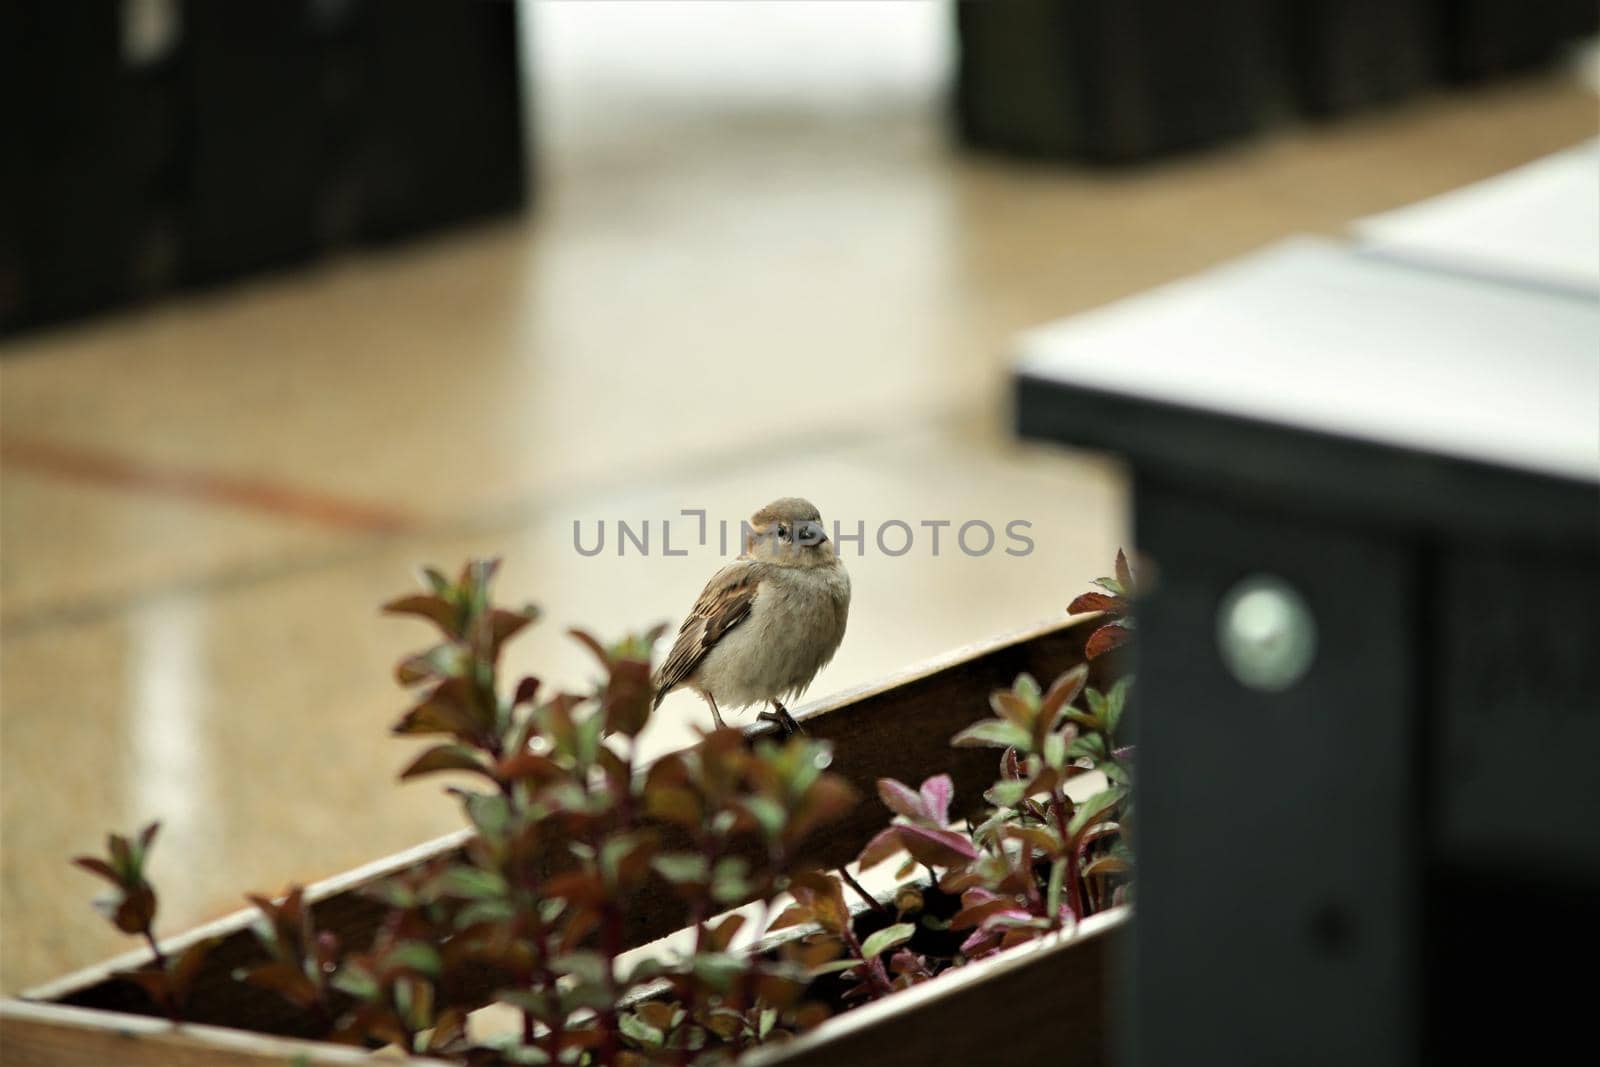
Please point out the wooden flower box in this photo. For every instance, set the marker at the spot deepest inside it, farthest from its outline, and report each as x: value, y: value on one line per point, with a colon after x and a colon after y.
x: 1047, y: 1001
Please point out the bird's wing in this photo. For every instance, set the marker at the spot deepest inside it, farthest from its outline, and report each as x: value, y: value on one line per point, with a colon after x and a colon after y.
x: 723, y: 604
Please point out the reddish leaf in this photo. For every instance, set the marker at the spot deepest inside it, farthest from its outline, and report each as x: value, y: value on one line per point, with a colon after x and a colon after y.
x: 1086, y: 602
x: 100, y: 867
x: 675, y: 805
x: 188, y: 967
x: 135, y: 910
x: 531, y: 766
x: 1063, y: 691
x: 436, y: 609
x: 589, y: 641
x: 828, y: 800
x: 1104, y: 640
x: 154, y: 983
x: 720, y: 936
x: 446, y: 758
x: 1010, y: 707
x: 503, y: 625
x: 284, y: 979
x: 527, y: 691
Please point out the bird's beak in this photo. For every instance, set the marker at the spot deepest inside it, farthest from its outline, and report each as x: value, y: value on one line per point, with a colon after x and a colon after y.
x: 811, y: 534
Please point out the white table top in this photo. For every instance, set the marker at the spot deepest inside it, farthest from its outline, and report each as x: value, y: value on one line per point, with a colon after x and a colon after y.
x: 1537, y: 225
x: 1309, y: 334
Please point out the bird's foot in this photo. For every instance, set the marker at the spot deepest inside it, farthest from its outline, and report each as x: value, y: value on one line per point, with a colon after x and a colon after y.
x: 779, y: 715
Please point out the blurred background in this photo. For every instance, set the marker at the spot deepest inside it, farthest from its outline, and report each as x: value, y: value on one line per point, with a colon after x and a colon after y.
x: 296, y: 296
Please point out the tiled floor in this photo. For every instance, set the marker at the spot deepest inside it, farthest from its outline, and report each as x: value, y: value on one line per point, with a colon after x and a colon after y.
x: 204, y: 501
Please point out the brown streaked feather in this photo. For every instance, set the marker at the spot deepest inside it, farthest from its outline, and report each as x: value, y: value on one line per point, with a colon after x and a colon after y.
x: 723, y: 604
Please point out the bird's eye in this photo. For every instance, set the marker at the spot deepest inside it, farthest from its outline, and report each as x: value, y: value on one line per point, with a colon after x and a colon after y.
x: 783, y: 533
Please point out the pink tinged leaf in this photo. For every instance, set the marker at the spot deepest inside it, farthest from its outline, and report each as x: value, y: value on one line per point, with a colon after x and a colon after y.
x: 1124, y: 573
x: 936, y: 795
x: 974, y: 914
x: 903, y: 800
x: 979, y: 943
x: 884, y: 844
x: 937, y: 848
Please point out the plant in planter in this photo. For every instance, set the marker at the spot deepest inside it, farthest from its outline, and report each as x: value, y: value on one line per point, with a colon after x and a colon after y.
x: 535, y: 911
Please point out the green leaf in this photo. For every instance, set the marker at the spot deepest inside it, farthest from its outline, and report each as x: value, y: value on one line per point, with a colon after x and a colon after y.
x: 585, y: 966
x: 416, y: 956
x: 1027, y: 688
x: 1112, y: 586
x: 1091, y: 745
x: 833, y: 967
x: 1096, y: 701
x: 586, y: 740
x: 1007, y: 793
x: 1116, y: 701
x: 1094, y: 810
x: 993, y: 733
x: 729, y: 881
x: 768, y: 813
x: 718, y: 969
x: 887, y: 938
x: 640, y: 1031
x: 683, y: 867
x: 489, y: 812
x: 472, y: 883
x: 1055, y: 751
x: 1052, y: 896
x: 357, y: 981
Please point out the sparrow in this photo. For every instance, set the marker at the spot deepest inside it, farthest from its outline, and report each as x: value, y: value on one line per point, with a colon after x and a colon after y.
x: 766, y: 623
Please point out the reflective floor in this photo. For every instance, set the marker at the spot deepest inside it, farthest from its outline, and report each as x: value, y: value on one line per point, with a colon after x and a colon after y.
x: 204, y: 501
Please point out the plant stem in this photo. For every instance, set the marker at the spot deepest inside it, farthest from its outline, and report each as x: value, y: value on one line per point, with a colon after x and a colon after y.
x: 155, y: 949
x: 872, y: 902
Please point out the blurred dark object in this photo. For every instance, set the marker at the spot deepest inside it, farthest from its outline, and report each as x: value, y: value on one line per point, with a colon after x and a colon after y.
x: 1343, y: 55
x: 1109, y: 81
x: 1390, y: 857
x: 1484, y: 38
x: 161, y: 143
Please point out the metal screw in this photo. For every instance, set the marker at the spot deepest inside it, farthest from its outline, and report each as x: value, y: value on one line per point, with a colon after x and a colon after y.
x: 1266, y: 633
